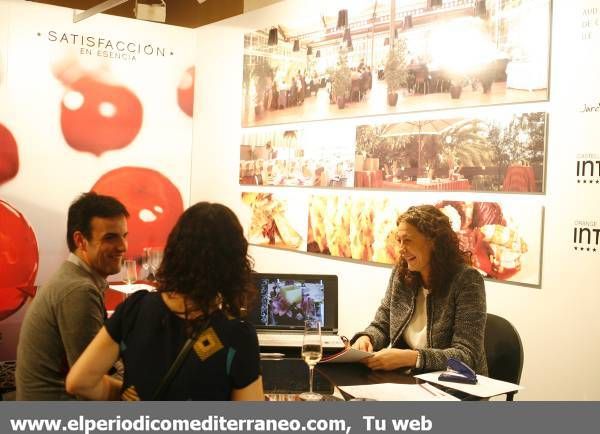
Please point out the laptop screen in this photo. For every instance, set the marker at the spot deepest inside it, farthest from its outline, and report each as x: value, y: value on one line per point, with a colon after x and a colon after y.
x: 286, y: 300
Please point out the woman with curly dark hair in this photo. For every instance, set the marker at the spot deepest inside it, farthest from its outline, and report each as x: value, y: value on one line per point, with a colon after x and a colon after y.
x: 204, y: 284
x: 434, y: 307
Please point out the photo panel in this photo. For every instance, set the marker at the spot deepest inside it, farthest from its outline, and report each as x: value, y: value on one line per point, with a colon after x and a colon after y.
x: 314, y: 156
x: 502, y: 152
x: 275, y: 219
x: 504, y: 238
x: 384, y: 56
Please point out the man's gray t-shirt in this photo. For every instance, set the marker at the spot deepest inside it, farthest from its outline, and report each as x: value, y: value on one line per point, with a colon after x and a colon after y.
x: 64, y: 316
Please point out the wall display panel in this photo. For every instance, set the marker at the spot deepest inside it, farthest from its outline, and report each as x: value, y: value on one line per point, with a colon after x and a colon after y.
x: 503, y: 152
x: 504, y: 238
x: 103, y: 104
x: 276, y: 219
x: 569, y: 200
x: 315, y: 156
x: 395, y: 57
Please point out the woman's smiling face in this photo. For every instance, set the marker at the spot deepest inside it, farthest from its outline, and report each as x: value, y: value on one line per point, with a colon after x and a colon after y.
x: 415, y: 249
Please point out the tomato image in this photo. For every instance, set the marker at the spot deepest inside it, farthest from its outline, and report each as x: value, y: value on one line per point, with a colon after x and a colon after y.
x: 19, y: 259
x: 9, y: 155
x: 185, y: 91
x: 153, y: 201
x: 97, y: 116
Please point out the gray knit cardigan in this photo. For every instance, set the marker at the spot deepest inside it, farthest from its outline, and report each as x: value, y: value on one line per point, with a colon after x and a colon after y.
x: 455, y: 321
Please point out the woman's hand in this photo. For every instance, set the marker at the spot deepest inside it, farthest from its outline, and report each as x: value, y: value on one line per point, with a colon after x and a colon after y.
x: 364, y: 344
x: 391, y: 358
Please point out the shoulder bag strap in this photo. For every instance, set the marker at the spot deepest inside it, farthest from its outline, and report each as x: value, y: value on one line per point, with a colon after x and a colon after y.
x: 187, y: 346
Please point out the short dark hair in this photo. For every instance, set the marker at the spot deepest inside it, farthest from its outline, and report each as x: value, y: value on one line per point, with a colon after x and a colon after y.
x: 85, y: 208
x: 446, y: 257
x: 206, y: 257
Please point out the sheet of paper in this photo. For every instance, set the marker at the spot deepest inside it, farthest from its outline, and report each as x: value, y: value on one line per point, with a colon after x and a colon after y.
x: 348, y: 355
x: 398, y: 392
x: 485, y: 388
x: 130, y: 289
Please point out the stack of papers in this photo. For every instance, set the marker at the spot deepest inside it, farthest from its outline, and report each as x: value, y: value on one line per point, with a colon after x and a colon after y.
x: 398, y: 392
x: 130, y: 289
x: 347, y: 355
x: 485, y: 388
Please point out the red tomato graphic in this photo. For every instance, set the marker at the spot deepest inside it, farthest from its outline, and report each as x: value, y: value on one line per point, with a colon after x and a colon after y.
x: 97, y: 117
x: 185, y: 91
x: 18, y: 260
x: 9, y: 156
x: 153, y: 202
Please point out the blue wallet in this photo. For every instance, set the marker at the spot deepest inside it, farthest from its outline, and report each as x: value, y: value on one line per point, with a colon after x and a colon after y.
x: 458, y: 372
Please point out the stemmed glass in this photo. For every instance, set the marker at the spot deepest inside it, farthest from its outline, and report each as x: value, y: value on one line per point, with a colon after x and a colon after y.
x: 146, y: 262
x: 129, y: 273
x: 156, y: 256
x: 312, y: 351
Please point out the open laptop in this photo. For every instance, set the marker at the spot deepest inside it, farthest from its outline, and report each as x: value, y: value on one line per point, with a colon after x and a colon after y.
x: 286, y: 300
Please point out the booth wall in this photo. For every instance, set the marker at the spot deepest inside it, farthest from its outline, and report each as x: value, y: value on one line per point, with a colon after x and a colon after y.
x: 92, y: 104
x: 557, y: 322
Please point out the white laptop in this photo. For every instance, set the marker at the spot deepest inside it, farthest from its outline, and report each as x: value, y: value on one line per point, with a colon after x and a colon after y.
x: 285, y: 300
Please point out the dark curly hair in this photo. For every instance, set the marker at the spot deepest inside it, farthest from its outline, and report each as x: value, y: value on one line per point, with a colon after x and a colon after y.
x: 446, y: 256
x: 206, y: 259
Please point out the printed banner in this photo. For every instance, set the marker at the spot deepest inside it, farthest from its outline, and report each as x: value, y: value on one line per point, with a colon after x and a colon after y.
x: 101, y: 105
x: 503, y: 152
x: 395, y: 57
x: 504, y: 238
x: 315, y: 156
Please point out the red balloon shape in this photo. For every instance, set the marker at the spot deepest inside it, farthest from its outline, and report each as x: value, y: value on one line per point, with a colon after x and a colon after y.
x: 97, y: 117
x: 153, y: 201
x: 18, y: 260
x: 185, y: 91
x: 9, y: 155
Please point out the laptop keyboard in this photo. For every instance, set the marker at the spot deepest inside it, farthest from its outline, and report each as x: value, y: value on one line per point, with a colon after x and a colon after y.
x: 295, y: 340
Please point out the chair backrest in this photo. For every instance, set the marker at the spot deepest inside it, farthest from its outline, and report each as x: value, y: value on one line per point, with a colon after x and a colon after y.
x: 503, y: 349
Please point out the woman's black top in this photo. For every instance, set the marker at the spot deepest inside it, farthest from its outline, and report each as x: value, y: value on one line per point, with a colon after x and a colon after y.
x: 225, y: 357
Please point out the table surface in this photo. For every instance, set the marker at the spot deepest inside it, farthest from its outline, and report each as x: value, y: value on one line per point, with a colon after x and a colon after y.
x: 286, y: 378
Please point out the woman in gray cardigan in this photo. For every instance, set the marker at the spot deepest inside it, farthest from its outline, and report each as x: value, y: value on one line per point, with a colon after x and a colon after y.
x: 434, y: 307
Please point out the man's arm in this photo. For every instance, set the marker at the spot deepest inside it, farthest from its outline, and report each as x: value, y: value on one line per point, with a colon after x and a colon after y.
x: 80, y: 315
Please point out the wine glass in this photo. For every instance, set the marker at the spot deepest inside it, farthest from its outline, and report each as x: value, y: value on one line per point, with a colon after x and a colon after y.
x: 129, y: 272
x: 312, y: 351
x: 146, y: 262
x: 156, y: 256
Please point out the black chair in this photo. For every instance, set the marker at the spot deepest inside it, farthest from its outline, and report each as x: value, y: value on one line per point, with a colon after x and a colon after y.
x: 504, y: 351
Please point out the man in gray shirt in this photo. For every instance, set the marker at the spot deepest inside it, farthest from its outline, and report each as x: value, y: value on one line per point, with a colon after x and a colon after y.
x: 68, y: 310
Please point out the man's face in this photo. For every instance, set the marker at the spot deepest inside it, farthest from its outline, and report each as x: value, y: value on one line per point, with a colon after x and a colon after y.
x: 105, y: 249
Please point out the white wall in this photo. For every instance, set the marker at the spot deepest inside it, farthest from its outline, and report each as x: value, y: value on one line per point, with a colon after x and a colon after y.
x: 558, y: 323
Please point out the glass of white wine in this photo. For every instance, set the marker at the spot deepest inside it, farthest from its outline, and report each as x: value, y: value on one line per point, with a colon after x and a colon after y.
x: 146, y: 263
x: 312, y: 351
x: 156, y: 257
x: 129, y: 273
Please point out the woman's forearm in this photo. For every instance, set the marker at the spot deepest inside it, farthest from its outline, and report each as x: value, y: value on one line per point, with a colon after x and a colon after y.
x: 107, y: 389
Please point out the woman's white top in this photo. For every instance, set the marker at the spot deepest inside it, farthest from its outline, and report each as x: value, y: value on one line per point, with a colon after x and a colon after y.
x: 415, y: 333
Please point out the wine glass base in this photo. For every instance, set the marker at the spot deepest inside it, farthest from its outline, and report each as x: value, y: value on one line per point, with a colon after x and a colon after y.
x: 310, y: 396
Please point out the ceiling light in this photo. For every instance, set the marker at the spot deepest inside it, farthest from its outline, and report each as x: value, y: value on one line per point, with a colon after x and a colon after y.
x: 151, y: 12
